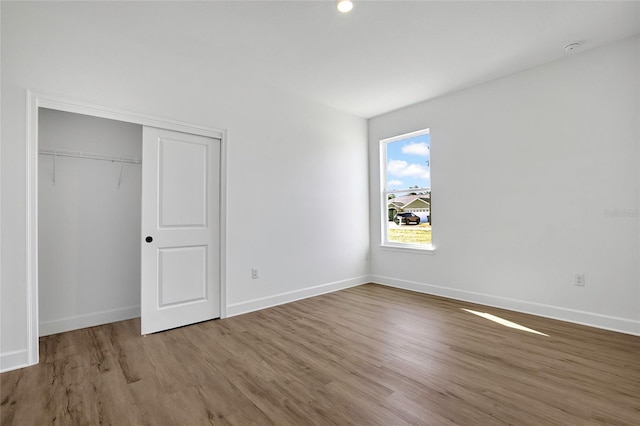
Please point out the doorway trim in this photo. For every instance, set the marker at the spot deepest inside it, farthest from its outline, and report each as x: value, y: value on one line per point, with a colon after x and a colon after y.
x: 36, y: 100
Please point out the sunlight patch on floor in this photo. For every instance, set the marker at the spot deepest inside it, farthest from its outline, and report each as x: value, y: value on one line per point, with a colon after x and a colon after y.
x: 503, y: 321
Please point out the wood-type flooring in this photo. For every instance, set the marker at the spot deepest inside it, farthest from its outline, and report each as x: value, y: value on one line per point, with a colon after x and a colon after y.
x: 369, y: 355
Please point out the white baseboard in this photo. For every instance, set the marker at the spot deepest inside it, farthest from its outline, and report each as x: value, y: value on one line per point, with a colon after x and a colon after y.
x: 622, y: 325
x: 88, y: 320
x: 13, y: 360
x: 292, y: 296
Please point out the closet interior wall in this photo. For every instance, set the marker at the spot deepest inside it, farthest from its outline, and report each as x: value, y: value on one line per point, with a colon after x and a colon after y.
x: 88, y: 222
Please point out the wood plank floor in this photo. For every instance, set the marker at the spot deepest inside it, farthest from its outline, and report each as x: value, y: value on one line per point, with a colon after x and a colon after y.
x: 369, y: 355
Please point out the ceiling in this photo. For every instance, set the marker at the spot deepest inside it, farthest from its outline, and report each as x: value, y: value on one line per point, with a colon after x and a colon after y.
x: 383, y: 55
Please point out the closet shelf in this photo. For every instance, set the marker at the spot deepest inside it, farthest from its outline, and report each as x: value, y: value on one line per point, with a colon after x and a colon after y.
x: 89, y: 155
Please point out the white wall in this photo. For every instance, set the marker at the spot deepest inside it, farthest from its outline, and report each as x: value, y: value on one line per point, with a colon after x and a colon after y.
x: 285, y: 154
x: 88, y: 225
x: 525, y: 170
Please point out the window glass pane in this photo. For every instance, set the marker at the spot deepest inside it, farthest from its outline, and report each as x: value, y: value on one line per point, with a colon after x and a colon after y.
x: 408, y: 163
x: 409, y: 218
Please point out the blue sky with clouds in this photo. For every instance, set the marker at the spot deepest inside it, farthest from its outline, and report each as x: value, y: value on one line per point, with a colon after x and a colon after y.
x: 408, y: 163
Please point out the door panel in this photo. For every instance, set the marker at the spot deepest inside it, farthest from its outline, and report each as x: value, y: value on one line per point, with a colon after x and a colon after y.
x: 182, y: 276
x: 183, y: 165
x: 180, y: 229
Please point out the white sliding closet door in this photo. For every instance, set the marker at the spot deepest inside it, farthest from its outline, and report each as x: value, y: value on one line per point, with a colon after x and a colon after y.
x: 180, y: 229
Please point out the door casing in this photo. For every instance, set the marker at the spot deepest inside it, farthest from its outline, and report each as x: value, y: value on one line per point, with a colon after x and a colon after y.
x: 36, y: 100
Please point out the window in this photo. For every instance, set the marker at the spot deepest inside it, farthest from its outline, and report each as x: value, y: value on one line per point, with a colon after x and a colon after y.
x: 406, y: 190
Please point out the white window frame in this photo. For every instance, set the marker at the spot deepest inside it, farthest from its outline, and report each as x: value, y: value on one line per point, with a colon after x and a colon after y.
x: 385, y: 192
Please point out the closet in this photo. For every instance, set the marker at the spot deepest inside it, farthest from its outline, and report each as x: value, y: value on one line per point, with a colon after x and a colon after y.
x: 89, y: 220
x: 118, y: 238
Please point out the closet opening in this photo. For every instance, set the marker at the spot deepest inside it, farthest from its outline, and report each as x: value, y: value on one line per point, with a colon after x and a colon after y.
x: 89, y: 220
x: 125, y: 219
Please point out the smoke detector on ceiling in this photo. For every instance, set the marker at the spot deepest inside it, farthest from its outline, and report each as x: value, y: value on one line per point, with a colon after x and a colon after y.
x: 571, y: 46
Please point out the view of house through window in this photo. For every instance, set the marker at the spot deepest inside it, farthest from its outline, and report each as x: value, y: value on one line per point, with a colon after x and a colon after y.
x: 406, y: 183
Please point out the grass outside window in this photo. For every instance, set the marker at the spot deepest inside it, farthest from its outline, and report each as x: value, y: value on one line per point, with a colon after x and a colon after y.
x: 410, y: 234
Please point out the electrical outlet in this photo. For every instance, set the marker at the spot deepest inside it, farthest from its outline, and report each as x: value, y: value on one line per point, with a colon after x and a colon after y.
x: 578, y: 280
x: 254, y: 273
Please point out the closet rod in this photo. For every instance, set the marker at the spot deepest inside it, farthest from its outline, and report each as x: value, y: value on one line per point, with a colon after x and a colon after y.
x: 90, y: 155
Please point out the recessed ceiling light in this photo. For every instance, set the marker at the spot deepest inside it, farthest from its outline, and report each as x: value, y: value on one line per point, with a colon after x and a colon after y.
x: 571, y: 46
x: 344, y: 6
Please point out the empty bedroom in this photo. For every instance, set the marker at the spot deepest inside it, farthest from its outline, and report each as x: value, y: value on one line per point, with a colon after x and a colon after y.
x: 320, y: 212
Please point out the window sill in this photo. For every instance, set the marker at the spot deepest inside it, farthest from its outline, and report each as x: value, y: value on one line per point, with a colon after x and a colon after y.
x: 408, y: 248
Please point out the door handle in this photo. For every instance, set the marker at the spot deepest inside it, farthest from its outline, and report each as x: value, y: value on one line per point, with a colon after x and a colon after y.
x: 149, y: 239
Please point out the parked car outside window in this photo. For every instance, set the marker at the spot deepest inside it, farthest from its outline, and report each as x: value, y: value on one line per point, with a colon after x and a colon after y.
x: 406, y: 218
